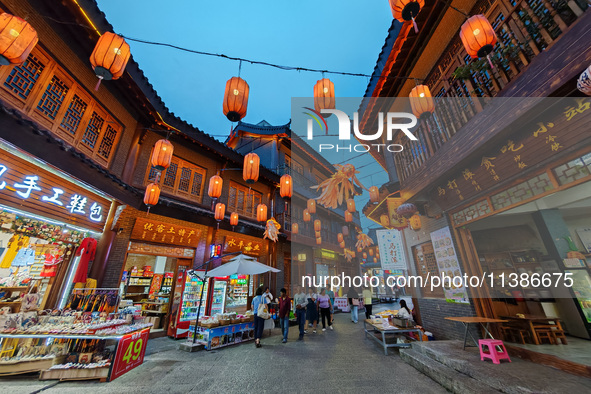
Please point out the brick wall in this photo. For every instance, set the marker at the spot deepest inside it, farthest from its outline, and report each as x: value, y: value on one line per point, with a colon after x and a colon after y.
x: 116, y: 261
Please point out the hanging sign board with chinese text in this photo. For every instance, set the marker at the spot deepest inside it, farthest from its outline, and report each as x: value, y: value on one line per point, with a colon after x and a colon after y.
x: 238, y: 244
x: 554, y: 128
x: 165, y: 233
x: 30, y: 188
x: 391, y: 249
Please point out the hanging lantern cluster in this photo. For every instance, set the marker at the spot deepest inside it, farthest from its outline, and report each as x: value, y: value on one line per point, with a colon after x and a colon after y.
x: 286, y: 186
x: 324, y: 96
x: 415, y: 222
x: 236, y: 99
x: 162, y: 154
x: 109, y: 57
x: 406, y: 210
x: 478, y: 37
x: 250, y: 170
x: 17, y: 39
x: 215, y: 186
x: 262, y: 213
x: 421, y: 101
x: 152, y: 194
x: 406, y: 10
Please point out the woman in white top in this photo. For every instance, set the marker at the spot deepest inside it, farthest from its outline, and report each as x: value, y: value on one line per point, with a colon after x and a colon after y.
x: 404, y: 312
x: 268, y: 295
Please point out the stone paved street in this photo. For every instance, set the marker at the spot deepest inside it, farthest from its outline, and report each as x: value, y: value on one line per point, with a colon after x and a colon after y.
x: 339, y: 361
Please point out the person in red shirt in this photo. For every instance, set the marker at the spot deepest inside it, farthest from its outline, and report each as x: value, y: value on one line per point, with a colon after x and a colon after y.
x: 284, y: 309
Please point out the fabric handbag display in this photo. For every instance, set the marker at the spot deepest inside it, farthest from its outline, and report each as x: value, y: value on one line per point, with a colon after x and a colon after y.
x: 263, y: 310
x: 355, y: 301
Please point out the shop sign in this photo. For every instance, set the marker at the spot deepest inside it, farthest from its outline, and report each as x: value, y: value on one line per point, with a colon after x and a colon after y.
x: 396, y: 221
x: 160, y: 250
x: 165, y: 233
x: 448, y: 264
x: 130, y: 353
x: 328, y: 254
x: 552, y: 131
x: 391, y: 250
x: 25, y: 186
x: 236, y: 244
x: 342, y: 303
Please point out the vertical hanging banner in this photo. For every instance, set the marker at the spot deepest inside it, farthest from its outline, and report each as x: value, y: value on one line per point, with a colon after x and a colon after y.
x: 391, y: 250
x: 448, y: 264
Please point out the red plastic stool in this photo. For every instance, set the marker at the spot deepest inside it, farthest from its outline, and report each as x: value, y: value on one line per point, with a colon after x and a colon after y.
x: 495, y: 355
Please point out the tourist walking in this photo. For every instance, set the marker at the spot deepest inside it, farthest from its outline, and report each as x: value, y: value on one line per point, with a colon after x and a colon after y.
x: 353, y: 297
x: 367, y: 301
x: 330, y: 293
x: 299, y: 304
x: 312, y: 310
x: 325, y: 309
x: 284, y: 309
x: 259, y: 322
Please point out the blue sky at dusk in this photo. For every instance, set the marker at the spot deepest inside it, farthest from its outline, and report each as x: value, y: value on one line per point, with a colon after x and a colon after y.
x: 343, y: 35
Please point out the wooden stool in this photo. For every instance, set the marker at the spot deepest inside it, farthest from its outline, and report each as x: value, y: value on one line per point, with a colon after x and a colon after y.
x: 559, y: 334
x: 546, y: 334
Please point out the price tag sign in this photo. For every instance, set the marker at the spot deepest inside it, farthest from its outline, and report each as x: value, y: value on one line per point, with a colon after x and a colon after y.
x: 130, y: 353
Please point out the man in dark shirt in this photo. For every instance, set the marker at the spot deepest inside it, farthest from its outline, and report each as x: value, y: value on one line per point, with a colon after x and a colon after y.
x: 284, y: 309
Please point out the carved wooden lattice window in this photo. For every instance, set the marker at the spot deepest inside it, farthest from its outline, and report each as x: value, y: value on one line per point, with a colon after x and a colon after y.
x: 242, y: 200
x: 181, y: 178
x: 74, y: 114
x: 107, y: 142
x: 23, y: 78
x: 53, y: 97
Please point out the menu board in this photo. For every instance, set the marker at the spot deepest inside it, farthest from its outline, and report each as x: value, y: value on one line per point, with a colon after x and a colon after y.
x: 391, y: 249
x: 448, y: 264
x: 585, y: 236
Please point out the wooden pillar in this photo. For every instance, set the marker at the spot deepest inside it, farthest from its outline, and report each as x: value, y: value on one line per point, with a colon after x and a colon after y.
x: 133, y: 155
x: 103, y: 250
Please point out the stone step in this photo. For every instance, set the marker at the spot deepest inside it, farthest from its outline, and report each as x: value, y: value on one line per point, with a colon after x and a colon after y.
x: 516, y: 377
x: 450, y: 379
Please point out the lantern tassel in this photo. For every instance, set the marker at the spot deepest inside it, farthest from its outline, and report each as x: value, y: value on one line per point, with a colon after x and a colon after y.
x: 100, y: 79
x: 218, y: 225
x: 415, y: 25
x: 492, y: 67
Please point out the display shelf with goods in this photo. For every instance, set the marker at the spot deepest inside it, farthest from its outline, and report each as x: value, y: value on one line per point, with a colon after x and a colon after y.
x: 190, y: 298
x: 218, y: 297
x: 223, y: 330
x: 582, y: 290
x: 237, y: 295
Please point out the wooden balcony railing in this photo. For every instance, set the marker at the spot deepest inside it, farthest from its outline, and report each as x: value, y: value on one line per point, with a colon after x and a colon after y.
x: 463, y: 87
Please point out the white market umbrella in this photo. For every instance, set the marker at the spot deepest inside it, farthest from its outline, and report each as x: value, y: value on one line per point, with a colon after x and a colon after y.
x: 241, y: 265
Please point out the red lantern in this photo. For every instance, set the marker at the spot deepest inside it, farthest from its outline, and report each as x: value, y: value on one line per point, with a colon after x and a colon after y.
x: 406, y: 10
x: 348, y: 216
x: 311, y: 206
x: 415, y: 222
x: 109, y: 57
x: 385, y: 220
x: 286, y: 186
x: 17, y: 39
x: 295, y: 228
x: 375, y: 259
x: 162, y: 154
x: 307, y: 216
x: 421, y: 101
x: 364, y: 256
x: 235, y: 99
x: 250, y: 171
x: 340, y: 237
x: 346, y: 231
x: 317, y: 225
x: 215, y: 187
x: 220, y: 211
x: 406, y: 210
x: 374, y: 194
x: 351, y: 205
x: 359, y: 249
x: 234, y: 219
x: 318, y: 241
x: 478, y: 36
x: 342, y: 245
x: 371, y: 252
x: 324, y: 95
x: 152, y: 194
x: 262, y: 213
x: 317, y: 234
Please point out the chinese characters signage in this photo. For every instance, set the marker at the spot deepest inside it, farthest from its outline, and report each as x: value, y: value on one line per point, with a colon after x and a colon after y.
x: 165, y: 233
x: 26, y: 186
x: 391, y: 249
x: 237, y: 244
x: 551, y: 130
